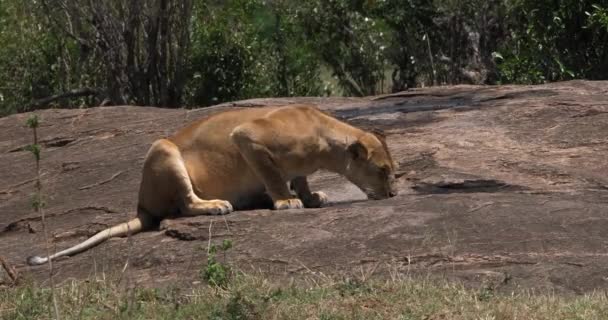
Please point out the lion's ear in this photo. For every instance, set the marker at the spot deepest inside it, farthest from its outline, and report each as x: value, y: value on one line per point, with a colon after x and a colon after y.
x: 357, y: 150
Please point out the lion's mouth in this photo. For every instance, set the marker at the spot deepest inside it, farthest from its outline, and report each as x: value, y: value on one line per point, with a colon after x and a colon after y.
x: 373, y: 195
x: 376, y: 192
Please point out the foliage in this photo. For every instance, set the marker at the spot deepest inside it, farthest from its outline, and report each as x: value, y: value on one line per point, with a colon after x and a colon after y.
x: 350, y: 41
x: 554, y: 41
x: 172, y: 53
x: 408, y: 51
x: 217, y: 273
x: 260, y: 54
x: 222, y: 59
x: 598, y: 17
x: 28, y: 57
x: 294, y: 63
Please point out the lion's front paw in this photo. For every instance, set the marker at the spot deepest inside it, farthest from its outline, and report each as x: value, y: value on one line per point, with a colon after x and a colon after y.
x: 294, y: 203
x: 210, y: 207
x: 220, y: 207
x: 316, y: 200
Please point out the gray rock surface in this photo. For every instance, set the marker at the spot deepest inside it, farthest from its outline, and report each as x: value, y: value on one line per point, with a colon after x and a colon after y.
x: 505, y: 186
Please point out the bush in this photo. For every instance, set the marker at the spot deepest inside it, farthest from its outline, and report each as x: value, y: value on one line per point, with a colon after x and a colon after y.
x: 553, y: 41
x: 202, y: 52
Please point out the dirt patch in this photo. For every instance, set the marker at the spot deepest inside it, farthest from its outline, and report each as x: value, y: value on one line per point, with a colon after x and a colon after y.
x: 502, y: 185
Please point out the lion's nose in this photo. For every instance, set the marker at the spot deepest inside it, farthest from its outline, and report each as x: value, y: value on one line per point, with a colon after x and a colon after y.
x: 393, y: 193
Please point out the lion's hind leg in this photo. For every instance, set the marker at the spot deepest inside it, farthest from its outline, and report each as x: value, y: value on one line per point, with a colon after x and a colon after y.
x: 166, y: 185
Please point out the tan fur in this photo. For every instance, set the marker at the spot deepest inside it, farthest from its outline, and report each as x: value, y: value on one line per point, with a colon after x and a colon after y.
x: 235, y: 158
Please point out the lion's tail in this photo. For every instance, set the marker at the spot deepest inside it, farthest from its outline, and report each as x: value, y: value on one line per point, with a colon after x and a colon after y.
x: 131, y: 227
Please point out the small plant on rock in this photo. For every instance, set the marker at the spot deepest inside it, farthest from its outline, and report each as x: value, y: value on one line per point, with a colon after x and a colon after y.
x: 217, y: 273
x: 38, y: 202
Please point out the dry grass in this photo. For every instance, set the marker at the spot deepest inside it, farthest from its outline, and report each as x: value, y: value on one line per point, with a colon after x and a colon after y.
x: 254, y: 297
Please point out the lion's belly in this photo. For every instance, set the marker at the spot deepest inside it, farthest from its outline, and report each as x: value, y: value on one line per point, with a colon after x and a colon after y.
x: 225, y: 177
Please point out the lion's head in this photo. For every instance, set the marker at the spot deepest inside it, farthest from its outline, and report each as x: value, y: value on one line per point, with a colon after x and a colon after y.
x: 370, y: 166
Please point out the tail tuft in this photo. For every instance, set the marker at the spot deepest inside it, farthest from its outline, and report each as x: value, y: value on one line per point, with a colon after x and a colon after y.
x: 36, y: 260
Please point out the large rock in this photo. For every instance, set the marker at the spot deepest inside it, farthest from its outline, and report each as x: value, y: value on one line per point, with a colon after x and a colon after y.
x: 506, y: 186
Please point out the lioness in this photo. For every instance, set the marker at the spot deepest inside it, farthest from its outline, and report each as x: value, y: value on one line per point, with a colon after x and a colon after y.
x: 236, y: 158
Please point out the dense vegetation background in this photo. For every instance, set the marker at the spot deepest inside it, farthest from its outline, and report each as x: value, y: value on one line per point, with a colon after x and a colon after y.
x: 171, y: 53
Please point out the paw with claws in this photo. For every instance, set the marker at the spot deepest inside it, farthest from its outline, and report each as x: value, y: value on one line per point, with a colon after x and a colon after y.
x: 316, y: 200
x: 294, y: 203
x: 210, y: 207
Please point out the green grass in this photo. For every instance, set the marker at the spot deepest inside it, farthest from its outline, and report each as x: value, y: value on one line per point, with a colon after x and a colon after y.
x: 254, y: 297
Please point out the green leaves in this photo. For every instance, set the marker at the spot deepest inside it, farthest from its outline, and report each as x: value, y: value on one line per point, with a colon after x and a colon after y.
x: 597, y: 17
x: 35, y: 150
x: 553, y: 41
x: 230, y: 50
x: 249, y: 48
x: 32, y: 122
x: 226, y: 244
x: 38, y: 201
x: 217, y: 273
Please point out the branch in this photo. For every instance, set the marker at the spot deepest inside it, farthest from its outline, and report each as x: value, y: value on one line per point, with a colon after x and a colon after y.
x: 10, y: 271
x: 68, y: 31
x: 68, y: 94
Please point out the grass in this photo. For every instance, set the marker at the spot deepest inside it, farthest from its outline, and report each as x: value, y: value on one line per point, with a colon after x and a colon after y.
x: 255, y: 297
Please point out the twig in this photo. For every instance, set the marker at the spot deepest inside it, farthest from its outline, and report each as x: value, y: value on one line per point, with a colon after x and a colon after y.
x: 428, y: 42
x: 209, y: 241
x: 366, y: 275
x: 68, y: 32
x: 129, y: 246
x: 10, y: 271
x: 48, y: 251
x: 481, y: 206
x: 227, y: 226
x: 39, y: 207
x: 105, y: 102
x: 130, y: 292
x: 114, y: 176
